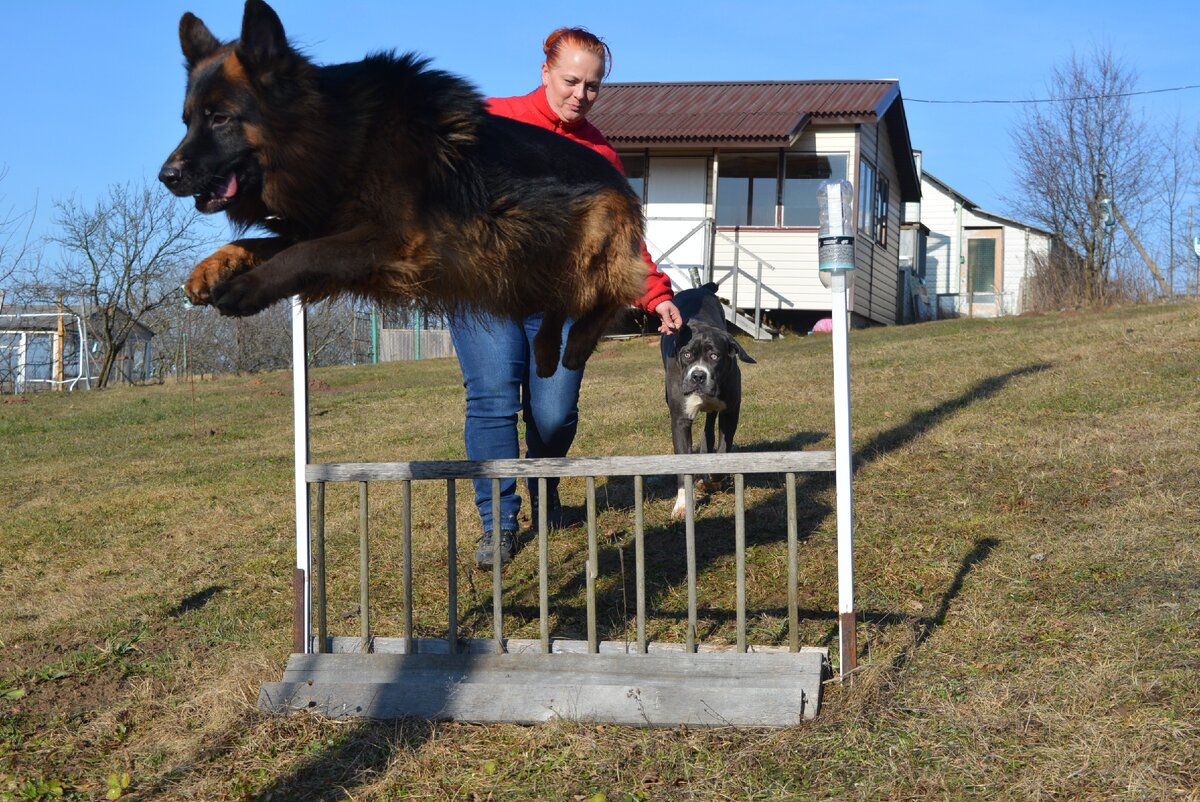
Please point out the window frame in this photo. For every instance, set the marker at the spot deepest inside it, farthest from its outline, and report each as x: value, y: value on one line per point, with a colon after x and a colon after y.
x: 781, y: 156
x: 865, y: 197
x: 883, y: 207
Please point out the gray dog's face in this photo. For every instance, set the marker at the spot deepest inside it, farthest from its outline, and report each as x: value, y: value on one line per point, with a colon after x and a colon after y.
x: 706, y: 358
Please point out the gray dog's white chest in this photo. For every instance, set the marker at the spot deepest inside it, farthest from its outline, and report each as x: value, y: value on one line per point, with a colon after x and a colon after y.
x: 696, y: 403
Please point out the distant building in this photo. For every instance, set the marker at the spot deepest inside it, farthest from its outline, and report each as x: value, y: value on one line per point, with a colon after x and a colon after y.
x: 975, y: 263
x: 46, y: 347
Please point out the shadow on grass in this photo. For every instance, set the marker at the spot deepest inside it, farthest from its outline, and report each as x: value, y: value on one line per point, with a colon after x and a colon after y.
x: 360, y: 752
x: 925, y: 627
x: 194, y: 601
x: 336, y: 761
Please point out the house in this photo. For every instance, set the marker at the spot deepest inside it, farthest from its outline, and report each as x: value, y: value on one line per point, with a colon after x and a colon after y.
x: 51, y: 347
x: 975, y: 263
x: 728, y: 173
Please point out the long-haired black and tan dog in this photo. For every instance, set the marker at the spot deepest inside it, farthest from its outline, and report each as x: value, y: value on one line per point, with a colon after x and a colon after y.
x: 388, y: 180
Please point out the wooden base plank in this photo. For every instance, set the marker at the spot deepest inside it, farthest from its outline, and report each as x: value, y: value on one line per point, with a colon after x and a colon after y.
x: 657, y: 689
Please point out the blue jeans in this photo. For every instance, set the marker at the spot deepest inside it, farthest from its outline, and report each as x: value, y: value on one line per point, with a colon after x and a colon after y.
x: 496, y: 357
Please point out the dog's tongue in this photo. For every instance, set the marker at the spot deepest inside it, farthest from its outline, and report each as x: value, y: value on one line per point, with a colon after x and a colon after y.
x: 229, y: 188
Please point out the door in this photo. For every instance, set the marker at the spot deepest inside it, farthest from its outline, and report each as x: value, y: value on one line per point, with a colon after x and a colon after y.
x: 984, y: 274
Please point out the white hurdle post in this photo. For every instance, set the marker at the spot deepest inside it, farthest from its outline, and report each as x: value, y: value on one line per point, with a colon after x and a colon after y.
x: 301, y: 586
x: 836, y: 259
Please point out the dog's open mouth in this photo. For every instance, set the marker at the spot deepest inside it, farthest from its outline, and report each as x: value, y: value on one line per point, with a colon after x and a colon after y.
x: 218, y: 198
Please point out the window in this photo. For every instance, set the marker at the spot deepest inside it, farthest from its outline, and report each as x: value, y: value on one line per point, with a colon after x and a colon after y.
x: 802, y: 174
x: 39, y: 356
x: 773, y: 189
x: 866, y: 197
x: 881, y: 211
x: 635, y: 171
x: 747, y: 189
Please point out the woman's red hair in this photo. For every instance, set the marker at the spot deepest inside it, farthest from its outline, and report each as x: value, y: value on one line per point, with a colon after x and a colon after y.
x: 580, y: 38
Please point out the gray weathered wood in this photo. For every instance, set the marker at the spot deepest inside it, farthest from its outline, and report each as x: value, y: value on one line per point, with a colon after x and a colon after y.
x: 650, y: 465
x: 344, y: 644
x: 655, y: 689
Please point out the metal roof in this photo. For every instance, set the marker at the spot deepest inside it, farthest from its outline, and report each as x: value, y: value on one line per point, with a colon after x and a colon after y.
x: 763, y: 113
x: 751, y: 114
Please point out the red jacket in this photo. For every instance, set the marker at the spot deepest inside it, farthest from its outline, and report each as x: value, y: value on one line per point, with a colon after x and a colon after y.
x: 535, y: 110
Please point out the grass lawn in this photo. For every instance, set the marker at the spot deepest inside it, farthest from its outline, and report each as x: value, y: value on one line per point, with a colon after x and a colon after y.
x: 1027, y: 501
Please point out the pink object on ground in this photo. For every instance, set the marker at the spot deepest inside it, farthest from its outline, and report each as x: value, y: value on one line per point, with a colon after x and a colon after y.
x: 823, y: 326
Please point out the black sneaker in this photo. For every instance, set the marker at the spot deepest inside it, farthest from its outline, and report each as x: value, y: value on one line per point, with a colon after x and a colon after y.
x: 508, y: 544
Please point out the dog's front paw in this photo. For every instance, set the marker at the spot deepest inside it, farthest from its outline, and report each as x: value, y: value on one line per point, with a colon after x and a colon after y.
x: 576, y: 356
x: 228, y: 261
x: 545, y: 365
x: 242, y: 296
x: 679, y: 511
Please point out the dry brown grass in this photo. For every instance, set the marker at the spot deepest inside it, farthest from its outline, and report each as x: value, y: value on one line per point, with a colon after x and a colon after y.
x: 1027, y: 517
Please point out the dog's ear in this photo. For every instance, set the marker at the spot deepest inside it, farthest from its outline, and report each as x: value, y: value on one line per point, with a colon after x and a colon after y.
x: 682, y: 337
x: 263, y: 41
x: 736, y: 349
x: 197, y: 41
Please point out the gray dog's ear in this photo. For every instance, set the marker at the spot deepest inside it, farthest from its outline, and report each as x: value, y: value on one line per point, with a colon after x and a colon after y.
x: 682, y: 337
x: 735, y: 347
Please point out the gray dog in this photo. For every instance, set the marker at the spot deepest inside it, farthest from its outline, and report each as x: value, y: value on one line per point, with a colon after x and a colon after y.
x: 701, y: 362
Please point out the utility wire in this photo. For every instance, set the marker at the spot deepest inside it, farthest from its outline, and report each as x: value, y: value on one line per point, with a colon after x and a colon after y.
x: 1061, y: 99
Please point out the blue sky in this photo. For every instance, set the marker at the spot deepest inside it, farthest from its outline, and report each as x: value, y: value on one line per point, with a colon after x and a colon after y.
x: 91, y: 92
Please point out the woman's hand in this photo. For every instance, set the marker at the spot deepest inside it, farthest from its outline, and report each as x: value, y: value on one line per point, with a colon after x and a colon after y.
x: 671, y: 319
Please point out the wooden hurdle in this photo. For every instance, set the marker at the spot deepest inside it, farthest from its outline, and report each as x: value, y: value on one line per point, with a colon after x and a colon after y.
x: 502, y: 679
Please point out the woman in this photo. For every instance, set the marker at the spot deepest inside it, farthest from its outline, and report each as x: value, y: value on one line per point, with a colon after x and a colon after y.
x: 495, y: 353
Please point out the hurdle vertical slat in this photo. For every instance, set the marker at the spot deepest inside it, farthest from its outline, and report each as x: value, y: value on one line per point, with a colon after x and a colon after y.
x: 844, y: 471
x: 593, y: 567
x: 364, y: 572
x: 497, y: 604
x: 639, y: 559
x: 739, y: 537
x: 451, y: 567
x: 319, y: 546
x: 302, y: 573
x: 793, y: 559
x: 407, y: 578
x: 689, y: 528
x: 543, y: 525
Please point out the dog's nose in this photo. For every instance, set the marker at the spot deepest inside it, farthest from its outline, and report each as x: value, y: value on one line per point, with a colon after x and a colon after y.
x: 170, y: 175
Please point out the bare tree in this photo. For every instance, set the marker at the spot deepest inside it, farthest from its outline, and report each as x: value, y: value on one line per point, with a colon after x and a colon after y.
x: 1082, y: 147
x: 126, y: 257
x: 14, y: 238
x: 1174, y: 177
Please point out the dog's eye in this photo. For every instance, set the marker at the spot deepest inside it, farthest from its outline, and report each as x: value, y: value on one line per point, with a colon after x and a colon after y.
x: 686, y: 354
x: 714, y: 356
x: 216, y: 118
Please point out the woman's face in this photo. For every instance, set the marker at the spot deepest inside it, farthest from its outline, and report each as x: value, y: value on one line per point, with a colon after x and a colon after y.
x: 573, y: 83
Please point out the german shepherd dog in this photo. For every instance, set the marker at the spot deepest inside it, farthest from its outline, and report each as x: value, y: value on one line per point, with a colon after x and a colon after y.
x: 388, y: 180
